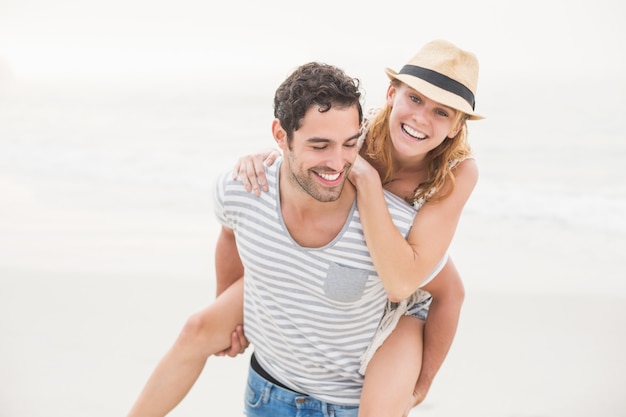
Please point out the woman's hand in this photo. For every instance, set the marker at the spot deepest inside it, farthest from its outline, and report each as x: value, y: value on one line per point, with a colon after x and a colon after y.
x: 249, y: 169
x: 361, y: 172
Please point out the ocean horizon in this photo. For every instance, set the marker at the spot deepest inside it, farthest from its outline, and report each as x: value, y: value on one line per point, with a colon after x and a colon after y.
x: 540, y: 158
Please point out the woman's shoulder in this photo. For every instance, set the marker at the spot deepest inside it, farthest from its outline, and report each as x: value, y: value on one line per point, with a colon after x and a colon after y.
x: 465, y: 178
x: 462, y: 161
x: 466, y: 167
x: 465, y: 172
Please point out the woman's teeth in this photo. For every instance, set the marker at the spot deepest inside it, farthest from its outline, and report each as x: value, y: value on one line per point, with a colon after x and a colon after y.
x: 412, y: 132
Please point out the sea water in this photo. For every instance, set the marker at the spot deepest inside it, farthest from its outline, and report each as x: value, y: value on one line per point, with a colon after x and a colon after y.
x: 549, y: 151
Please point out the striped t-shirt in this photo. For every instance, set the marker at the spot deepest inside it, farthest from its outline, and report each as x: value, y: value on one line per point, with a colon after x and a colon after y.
x: 309, y: 312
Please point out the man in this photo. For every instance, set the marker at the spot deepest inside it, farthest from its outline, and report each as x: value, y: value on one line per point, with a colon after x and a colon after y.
x: 312, y: 298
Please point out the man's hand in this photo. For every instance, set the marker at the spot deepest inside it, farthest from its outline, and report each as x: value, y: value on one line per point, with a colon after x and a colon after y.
x: 419, y: 394
x: 238, y: 344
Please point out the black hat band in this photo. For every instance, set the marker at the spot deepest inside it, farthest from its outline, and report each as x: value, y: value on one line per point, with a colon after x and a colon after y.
x: 441, y: 81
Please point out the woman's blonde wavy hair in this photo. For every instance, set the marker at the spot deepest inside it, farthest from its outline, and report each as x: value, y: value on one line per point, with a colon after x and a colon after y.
x: 377, y: 148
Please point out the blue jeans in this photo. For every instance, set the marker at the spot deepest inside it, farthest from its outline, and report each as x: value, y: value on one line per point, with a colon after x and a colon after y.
x: 264, y: 399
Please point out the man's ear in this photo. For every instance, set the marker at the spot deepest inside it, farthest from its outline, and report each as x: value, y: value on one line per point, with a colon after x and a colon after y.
x: 280, y: 136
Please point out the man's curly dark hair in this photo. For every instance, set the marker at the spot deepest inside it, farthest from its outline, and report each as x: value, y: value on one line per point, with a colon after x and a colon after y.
x: 314, y: 84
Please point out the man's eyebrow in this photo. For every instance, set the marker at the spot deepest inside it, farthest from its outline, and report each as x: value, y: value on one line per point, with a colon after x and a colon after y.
x: 316, y: 139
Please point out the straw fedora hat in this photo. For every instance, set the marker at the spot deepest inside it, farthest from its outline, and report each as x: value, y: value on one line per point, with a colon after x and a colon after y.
x: 443, y: 73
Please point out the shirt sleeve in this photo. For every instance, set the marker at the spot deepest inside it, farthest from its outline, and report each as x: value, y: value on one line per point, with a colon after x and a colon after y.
x: 219, y: 199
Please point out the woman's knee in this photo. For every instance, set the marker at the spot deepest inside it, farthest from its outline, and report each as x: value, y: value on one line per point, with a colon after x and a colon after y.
x: 197, y: 328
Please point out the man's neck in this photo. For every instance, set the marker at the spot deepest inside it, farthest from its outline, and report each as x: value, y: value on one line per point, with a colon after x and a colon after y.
x: 310, y: 222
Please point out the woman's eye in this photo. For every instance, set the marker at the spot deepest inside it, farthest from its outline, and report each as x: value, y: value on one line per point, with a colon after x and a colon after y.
x: 415, y: 99
x: 442, y: 113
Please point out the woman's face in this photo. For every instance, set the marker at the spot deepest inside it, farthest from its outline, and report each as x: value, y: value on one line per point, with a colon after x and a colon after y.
x: 417, y: 124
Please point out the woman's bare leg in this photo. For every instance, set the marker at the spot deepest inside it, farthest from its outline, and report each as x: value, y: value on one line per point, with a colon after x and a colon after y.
x: 414, y: 349
x: 205, y: 333
x: 393, y: 371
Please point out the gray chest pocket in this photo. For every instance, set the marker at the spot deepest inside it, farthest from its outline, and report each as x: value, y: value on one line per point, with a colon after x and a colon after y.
x: 345, y: 284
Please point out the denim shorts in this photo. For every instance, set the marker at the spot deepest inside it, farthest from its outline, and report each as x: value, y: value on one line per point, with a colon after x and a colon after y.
x: 264, y: 399
x: 420, y: 308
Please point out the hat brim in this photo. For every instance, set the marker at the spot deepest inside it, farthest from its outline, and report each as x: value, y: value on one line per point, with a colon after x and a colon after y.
x: 435, y: 93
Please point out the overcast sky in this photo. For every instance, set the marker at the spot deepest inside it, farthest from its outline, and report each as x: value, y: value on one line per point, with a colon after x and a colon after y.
x: 82, y: 39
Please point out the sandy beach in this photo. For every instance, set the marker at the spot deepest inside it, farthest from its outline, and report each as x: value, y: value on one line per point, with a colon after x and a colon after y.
x: 96, y: 286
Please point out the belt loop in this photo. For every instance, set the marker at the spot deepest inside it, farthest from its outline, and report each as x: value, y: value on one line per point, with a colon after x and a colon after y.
x: 266, y: 393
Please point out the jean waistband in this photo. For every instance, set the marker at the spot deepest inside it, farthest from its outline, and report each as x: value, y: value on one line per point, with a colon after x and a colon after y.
x: 301, y: 401
x: 254, y: 364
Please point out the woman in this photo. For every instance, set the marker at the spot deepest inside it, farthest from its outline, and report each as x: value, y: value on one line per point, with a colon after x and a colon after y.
x: 415, y: 147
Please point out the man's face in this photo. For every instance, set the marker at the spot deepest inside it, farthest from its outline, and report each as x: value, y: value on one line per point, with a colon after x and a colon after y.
x: 322, y: 152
